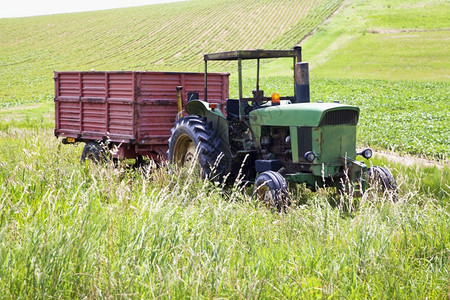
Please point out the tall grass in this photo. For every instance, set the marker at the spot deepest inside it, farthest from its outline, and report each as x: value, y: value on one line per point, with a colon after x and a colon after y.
x: 81, y: 230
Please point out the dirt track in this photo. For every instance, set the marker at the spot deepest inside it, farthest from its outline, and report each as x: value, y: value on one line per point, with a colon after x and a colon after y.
x: 408, y: 160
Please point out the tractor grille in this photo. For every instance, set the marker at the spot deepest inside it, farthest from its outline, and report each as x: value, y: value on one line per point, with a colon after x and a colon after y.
x: 340, y: 117
x: 304, y: 137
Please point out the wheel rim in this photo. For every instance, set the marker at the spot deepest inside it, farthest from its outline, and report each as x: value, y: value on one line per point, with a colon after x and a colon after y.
x: 271, y: 189
x: 265, y: 194
x: 184, y: 150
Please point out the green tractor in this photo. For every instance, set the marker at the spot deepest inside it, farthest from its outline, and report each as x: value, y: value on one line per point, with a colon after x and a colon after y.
x: 276, y: 140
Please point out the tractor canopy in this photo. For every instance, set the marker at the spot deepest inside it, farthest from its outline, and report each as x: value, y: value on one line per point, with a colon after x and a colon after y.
x: 301, y: 77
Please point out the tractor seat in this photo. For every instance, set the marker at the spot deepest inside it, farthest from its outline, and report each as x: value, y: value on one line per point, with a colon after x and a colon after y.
x: 232, y: 108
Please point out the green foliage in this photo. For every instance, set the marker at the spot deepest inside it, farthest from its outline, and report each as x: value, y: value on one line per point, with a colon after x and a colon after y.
x: 401, y: 116
x: 414, y: 56
x: 402, y: 40
x: 412, y: 16
x: 72, y: 230
x: 30, y: 116
x: 433, y: 181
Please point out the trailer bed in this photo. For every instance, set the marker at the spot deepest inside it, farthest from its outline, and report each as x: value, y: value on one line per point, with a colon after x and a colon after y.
x: 133, y: 109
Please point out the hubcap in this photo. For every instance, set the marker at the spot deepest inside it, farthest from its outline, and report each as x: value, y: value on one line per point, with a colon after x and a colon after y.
x: 184, y: 150
x: 190, y: 154
x: 265, y: 194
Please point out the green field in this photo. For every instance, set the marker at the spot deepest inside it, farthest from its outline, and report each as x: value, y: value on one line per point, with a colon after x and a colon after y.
x: 71, y: 230
x: 169, y: 37
x: 399, y: 40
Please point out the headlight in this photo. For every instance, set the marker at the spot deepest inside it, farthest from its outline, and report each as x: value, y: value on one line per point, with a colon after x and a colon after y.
x: 366, y: 153
x: 309, y: 156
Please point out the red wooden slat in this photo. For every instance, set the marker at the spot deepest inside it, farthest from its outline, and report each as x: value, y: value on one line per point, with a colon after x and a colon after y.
x: 129, y: 106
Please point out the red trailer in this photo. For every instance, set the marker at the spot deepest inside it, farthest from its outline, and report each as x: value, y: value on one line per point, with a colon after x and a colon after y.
x: 132, y: 110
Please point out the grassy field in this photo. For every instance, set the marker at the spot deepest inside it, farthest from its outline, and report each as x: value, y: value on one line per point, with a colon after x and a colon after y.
x: 71, y: 230
x: 75, y: 231
x: 399, y: 40
x: 169, y: 37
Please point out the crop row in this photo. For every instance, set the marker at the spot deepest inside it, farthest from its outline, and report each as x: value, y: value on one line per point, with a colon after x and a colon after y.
x: 163, y: 37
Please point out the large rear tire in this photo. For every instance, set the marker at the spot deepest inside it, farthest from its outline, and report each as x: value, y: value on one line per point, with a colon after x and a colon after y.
x: 193, y: 140
x: 271, y: 188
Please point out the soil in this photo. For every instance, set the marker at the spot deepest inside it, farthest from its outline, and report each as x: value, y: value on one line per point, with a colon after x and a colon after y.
x: 408, y: 160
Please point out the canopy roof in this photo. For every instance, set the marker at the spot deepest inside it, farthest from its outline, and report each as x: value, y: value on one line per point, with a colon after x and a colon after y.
x: 250, y: 54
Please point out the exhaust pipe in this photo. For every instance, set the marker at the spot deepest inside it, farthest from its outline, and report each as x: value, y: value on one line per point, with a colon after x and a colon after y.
x: 302, y: 82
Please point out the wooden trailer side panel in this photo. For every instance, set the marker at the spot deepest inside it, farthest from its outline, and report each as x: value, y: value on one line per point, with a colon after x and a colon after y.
x: 133, y: 109
x: 157, y: 102
x: 122, y: 107
x: 95, y: 105
x: 67, y: 106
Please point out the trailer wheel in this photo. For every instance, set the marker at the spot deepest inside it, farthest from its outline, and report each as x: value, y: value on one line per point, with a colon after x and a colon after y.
x: 94, y: 152
x: 382, y: 178
x: 271, y: 188
x: 193, y: 140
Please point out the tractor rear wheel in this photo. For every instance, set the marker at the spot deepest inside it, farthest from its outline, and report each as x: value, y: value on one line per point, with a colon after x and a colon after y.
x: 193, y: 140
x: 271, y: 188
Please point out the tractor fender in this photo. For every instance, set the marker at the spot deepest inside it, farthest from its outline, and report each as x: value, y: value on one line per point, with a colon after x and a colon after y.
x: 212, y: 115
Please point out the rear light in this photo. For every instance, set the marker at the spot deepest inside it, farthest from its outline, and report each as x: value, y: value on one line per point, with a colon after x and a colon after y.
x: 275, y: 99
x: 213, y: 105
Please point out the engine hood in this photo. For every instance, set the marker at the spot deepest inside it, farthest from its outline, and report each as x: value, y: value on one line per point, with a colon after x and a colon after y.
x: 298, y: 114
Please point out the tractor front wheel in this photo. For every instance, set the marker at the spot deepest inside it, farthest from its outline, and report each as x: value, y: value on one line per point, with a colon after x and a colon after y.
x: 381, y: 178
x: 271, y: 188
